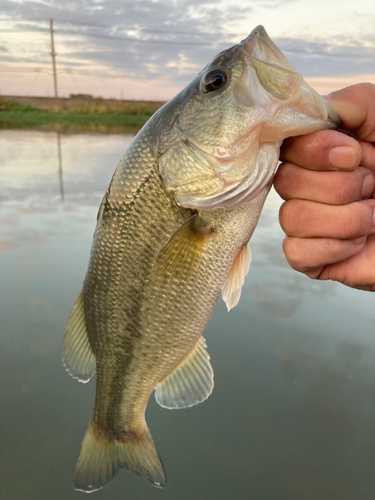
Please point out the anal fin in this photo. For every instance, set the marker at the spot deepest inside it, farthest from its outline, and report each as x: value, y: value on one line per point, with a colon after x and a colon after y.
x: 190, y: 383
x: 77, y: 354
x: 231, y: 291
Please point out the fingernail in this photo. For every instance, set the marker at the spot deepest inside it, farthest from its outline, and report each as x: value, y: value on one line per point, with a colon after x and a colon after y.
x: 367, y: 186
x: 360, y: 240
x: 342, y: 157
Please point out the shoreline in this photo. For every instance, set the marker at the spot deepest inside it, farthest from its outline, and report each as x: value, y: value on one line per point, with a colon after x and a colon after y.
x: 83, y: 113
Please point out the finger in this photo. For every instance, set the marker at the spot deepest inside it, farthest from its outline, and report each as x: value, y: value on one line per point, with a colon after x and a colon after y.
x: 324, y: 150
x: 368, y: 155
x: 308, y: 219
x: 356, y: 107
x: 357, y: 271
x: 333, y: 188
x: 311, y: 255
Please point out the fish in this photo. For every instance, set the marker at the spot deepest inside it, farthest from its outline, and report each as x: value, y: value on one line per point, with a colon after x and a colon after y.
x: 172, y: 235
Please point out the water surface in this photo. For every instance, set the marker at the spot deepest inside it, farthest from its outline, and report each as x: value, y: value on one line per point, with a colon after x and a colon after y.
x: 292, y: 415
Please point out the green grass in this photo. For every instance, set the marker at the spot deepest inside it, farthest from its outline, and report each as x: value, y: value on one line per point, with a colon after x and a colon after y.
x: 15, y: 115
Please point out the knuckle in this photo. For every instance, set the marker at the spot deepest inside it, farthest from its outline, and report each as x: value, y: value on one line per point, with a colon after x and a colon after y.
x: 281, y: 179
x: 358, y: 221
x: 367, y: 88
x: 351, y: 226
x: 333, y: 249
x: 293, y: 253
x: 370, y: 160
x: 285, y: 180
x: 349, y: 188
x: 290, y: 216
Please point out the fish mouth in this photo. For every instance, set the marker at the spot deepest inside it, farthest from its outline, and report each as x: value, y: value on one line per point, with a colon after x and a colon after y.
x: 259, y: 45
x: 283, y: 81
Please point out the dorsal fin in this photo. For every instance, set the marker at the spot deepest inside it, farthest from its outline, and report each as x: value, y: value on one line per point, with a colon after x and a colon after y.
x: 231, y: 291
x: 77, y: 355
x: 190, y: 383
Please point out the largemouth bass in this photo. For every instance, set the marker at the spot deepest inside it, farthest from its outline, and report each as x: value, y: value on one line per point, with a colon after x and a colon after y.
x: 173, y: 234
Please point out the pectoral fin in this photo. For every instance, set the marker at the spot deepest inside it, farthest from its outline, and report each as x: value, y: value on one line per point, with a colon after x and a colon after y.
x: 231, y: 291
x: 77, y: 355
x: 181, y: 255
x: 190, y: 383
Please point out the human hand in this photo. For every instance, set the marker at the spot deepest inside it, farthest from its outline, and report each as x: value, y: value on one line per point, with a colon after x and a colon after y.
x: 328, y: 182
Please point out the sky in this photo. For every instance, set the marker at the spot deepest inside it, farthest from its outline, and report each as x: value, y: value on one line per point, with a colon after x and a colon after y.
x: 150, y: 49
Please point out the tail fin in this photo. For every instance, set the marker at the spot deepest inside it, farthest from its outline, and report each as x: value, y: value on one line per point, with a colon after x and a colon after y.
x: 100, y: 460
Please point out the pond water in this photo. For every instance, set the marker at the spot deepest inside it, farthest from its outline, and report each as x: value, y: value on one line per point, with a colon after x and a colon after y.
x: 292, y: 415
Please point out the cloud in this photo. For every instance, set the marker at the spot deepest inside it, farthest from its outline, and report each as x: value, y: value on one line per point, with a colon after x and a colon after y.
x: 319, y: 59
x: 172, y: 41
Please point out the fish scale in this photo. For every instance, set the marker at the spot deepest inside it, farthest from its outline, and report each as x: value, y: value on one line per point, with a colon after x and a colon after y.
x: 172, y: 234
x: 130, y: 244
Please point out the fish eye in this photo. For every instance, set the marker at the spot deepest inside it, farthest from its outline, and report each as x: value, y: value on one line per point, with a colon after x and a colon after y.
x: 214, y: 80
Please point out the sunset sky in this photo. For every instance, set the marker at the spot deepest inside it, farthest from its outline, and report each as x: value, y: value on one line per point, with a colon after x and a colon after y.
x: 151, y: 49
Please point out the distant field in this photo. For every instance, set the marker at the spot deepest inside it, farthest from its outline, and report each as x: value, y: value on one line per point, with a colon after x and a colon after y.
x: 85, y: 113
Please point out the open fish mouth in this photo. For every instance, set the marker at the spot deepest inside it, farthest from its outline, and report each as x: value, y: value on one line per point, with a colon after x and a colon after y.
x: 260, y: 46
x: 279, y: 78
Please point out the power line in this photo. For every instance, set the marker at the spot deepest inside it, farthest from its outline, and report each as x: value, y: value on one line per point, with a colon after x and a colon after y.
x: 152, y: 30
x: 110, y: 37
x: 134, y: 40
x: 169, y: 31
x: 67, y: 71
x: 137, y: 28
x: 308, y: 53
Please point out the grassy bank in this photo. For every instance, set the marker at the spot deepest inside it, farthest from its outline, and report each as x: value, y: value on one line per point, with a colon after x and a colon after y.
x: 99, y: 115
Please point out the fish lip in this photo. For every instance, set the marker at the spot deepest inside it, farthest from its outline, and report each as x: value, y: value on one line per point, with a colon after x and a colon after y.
x: 333, y: 116
x: 253, y: 40
x: 259, y: 45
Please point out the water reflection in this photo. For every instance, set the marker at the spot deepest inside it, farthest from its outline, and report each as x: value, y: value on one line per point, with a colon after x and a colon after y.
x: 292, y: 413
x: 60, y: 171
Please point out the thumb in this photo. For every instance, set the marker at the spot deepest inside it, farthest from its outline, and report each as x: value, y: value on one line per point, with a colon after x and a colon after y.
x: 356, y: 107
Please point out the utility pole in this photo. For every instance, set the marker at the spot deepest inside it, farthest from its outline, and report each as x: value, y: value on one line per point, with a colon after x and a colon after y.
x: 53, y: 53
